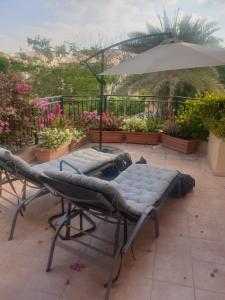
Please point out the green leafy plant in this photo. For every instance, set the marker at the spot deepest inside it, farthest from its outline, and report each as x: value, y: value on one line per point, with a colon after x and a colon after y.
x: 190, y: 114
x: 212, y: 111
x: 180, y: 128
x: 152, y: 124
x: 52, y: 138
x: 140, y: 125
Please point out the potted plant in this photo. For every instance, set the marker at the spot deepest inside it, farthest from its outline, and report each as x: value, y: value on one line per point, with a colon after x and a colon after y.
x: 178, y: 134
x: 141, y: 131
x: 112, y: 129
x: 213, y: 116
x: 79, y: 138
x: 54, y: 143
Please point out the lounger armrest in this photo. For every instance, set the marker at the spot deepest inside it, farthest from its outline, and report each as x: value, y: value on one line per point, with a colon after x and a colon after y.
x: 137, y: 227
x: 68, y: 164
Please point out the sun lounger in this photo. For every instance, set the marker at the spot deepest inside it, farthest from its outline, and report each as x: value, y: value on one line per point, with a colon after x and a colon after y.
x: 126, y: 201
x: 13, y: 168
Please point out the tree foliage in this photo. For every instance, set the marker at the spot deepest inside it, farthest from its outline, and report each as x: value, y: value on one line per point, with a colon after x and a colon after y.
x: 182, y: 27
x: 184, y: 82
x: 4, y: 63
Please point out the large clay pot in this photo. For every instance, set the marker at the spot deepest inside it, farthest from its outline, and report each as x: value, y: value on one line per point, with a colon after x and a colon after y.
x: 185, y: 146
x: 147, y: 138
x: 76, y: 145
x: 44, y: 155
x: 107, y: 136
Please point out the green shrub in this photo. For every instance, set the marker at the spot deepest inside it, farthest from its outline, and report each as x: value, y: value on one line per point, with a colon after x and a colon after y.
x: 179, y: 128
x: 212, y: 110
x: 190, y: 117
x: 140, y: 125
x: 52, y: 138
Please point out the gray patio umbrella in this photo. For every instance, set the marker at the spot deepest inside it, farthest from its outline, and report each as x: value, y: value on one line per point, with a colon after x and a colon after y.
x: 170, y: 56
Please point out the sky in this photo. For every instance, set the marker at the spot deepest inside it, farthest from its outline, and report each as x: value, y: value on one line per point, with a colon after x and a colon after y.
x: 87, y: 22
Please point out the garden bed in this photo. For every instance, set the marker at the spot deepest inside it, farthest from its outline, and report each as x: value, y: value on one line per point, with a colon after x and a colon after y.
x: 185, y: 146
x: 107, y: 136
x: 145, y: 138
x: 44, y: 155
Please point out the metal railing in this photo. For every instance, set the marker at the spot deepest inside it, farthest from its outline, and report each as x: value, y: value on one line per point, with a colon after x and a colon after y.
x: 121, y: 106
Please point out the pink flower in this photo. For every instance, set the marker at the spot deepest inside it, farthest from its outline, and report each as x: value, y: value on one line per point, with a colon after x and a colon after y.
x: 23, y: 88
x: 58, y: 110
x: 41, y: 126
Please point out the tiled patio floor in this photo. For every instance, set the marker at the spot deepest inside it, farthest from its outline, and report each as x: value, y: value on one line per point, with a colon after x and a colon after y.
x: 186, y: 262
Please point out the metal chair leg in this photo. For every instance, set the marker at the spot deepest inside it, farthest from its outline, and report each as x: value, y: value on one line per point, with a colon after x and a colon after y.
x: 110, y: 279
x: 14, y: 221
x: 156, y: 222
x: 52, y: 248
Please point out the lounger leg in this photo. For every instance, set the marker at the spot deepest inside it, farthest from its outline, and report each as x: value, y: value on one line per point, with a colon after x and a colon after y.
x: 51, y: 252
x: 24, y: 194
x: 156, y: 222
x: 116, y: 238
x: 68, y: 222
x: 62, y: 206
x: 14, y: 221
x: 23, y: 204
x: 110, y: 280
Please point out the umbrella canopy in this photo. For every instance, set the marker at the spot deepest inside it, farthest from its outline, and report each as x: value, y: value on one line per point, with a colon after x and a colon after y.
x: 170, y: 56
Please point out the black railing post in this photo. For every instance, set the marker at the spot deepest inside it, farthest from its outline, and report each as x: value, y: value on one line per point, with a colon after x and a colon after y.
x: 62, y: 104
x: 176, y: 106
x: 105, y: 103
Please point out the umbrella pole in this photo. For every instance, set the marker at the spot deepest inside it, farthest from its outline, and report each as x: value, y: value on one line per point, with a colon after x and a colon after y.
x: 100, y: 78
x: 101, y: 101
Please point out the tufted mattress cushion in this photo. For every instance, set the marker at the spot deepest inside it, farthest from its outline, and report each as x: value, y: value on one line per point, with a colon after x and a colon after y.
x: 133, y: 191
x: 17, y: 164
x: 142, y: 185
x: 85, y: 160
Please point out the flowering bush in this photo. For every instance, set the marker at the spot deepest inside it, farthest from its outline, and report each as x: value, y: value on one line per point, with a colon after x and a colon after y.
x: 111, y: 122
x: 51, y: 115
x: 18, y: 113
x: 52, y: 138
x: 90, y: 120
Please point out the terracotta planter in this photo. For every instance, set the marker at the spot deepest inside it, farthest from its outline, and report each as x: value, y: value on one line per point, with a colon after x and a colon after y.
x: 44, y: 155
x: 75, y: 145
x: 185, y: 146
x: 146, y: 138
x: 107, y: 136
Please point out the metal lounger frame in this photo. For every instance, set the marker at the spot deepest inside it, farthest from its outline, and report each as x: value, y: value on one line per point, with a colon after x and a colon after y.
x: 9, y: 173
x: 99, y: 207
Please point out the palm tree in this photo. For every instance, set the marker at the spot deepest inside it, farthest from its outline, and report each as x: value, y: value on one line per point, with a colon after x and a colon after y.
x: 183, y: 28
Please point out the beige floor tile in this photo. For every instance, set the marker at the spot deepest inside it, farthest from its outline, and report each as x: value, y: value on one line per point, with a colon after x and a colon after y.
x: 168, y: 291
x: 173, y: 245
x: 27, y: 294
x: 207, y: 250
x: 173, y: 269
x: 206, y: 231
x: 206, y: 295
x: 210, y: 276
